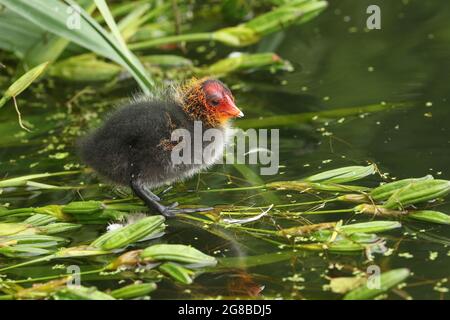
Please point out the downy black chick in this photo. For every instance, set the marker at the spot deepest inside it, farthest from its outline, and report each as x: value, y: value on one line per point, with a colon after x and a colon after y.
x: 133, y: 146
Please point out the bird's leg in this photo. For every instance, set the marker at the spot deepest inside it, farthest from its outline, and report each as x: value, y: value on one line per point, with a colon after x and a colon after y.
x: 150, y: 199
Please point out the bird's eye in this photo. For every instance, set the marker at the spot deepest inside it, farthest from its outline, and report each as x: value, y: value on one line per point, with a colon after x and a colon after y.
x: 214, y: 102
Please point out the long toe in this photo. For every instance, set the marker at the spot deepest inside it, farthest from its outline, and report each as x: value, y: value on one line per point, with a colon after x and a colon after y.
x: 169, y: 212
x: 191, y: 210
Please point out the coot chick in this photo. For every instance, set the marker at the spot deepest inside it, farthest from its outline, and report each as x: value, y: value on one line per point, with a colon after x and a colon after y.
x: 133, y: 146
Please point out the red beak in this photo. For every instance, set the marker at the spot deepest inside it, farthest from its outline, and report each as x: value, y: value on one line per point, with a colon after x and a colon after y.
x: 231, y: 109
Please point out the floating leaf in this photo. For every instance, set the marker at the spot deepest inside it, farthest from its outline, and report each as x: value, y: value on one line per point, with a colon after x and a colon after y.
x: 39, y: 220
x: 83, y: 207
x: 59, y: 227
x: 23, y: 180
x: 430, y: 216
x: 177, y: 253
x: 386, y: 190
x: 354, y: 197
x: 345, y: 284
x: 134, y: 290
x: 129, y: 234
x: 7, y: 229
x: 177, y: 272
x: 37, y: 240
x: 305, y: 230
x: 305, y: 186
x: 23, y: 251
x: 388, y: 280
x: 342, y: 175
x: 378, y: 210
x: 370, y: 227
x: 420, y: 191
x: 81, y: 293
x: 41, y: 290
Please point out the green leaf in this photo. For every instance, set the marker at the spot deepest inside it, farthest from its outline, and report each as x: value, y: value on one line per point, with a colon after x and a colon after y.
x: 177, y: 253
x: 177, y: 272
x: 22, y: 83
x: 134, y: 290
x: 388, y: 280
x: 59, y: 227
x: 83, y: 207
x: 250, y: 32
x: 81, y: 293
x: 345, y: 284
x: 370, y: 227
x: 420, y: 191
x: 384, y: 191
x: 51, y: 46
x: 36, y: 240
x: 246, y: 61
x: 342, y: 175
x: 129, y: 234
x: 79, y: 68
x: 7, y: 229
x: 22, y: 180
x: 18, y: 35
x: 430, y: 216
x: 53, y: 16
x: 39, y: 220
x: 305, y: 186
x: 23, y: 251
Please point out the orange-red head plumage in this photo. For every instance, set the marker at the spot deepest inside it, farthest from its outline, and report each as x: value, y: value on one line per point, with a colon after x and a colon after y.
x: 209, y: 100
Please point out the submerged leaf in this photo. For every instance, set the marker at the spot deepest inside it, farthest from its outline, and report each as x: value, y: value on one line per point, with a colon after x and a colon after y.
x: 345, y: 284
x: 305, y: 230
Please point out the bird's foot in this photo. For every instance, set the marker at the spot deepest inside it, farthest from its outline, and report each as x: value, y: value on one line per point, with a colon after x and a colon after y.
x: 153, y: 201
x: 172, y: 210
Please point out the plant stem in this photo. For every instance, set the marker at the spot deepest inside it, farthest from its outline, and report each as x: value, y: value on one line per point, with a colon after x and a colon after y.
x: 57, y: 276
x: 204, y: 36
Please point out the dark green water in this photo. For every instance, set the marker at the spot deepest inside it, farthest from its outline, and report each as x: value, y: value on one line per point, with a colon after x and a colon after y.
x: 338, y: 64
